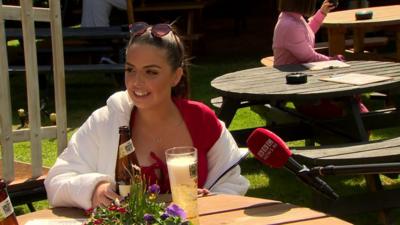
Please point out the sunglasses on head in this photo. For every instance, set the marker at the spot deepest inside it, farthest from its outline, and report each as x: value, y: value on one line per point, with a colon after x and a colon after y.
x: 158, y: 30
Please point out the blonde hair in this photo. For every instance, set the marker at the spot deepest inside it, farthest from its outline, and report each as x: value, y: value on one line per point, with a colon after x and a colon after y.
x: 304, y: 7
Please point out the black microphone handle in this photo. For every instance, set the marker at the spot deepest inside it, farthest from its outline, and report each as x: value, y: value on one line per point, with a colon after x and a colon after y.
x: 318, y: 185
x: 312, y: 180
x: 294, y: 166
x: 374, y: 168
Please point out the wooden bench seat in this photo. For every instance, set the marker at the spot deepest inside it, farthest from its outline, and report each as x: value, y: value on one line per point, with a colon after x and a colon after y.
x: 24, y: 189
x: 369, y: 43
x: 268, y: 61
x: 78, y: 68
x: 170, y: 6
x: 363, y: 153
x: 189, y: 7
x: 377, y: 198
x: 217, y: 102
x: 80, y: 50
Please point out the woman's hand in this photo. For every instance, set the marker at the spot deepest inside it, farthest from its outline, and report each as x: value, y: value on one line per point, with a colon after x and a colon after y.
x: 202, y: 192
x: 103, y: 194
x: 326, y: 7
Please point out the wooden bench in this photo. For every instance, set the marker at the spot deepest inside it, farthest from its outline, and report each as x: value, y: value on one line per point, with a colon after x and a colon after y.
x: 78, y: 68
x: 116, y: 70
x: 80, y: 49
x: 25, y: 189
x: 268, y: 61
x: 189, y: 7
x: 26, y: 180
x: 369, y: 43
x: 382, y: 151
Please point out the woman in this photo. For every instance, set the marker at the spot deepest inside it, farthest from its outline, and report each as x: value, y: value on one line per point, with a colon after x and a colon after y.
x: 156, y: 107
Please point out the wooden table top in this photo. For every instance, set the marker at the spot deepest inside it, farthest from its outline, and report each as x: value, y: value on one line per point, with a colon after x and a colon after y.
x: 269, y: 84
x: 224, y: 209
x: 382, y: 16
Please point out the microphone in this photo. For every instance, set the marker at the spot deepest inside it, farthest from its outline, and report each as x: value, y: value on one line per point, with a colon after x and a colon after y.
x: 373, y: 168
x: 271, y: 150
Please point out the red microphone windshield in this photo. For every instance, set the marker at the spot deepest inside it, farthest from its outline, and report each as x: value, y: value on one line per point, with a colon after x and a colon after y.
x: 268, y: 148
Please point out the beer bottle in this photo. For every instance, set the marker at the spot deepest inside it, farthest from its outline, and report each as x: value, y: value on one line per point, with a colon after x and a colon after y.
x: 125, y: 158
x: 7, y: 215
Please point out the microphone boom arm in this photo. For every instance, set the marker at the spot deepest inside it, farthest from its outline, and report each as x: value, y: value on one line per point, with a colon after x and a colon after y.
x: 374, y: 168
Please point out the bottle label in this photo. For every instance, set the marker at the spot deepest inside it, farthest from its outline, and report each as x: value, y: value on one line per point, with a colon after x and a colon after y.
x: 124, y: 189
x: 126, y: 148
x: 6, y: 208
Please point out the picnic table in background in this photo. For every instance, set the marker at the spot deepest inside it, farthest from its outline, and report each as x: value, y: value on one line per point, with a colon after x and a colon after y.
x: 337, y: 23
x: 83, y: 40
x: 266, y: 85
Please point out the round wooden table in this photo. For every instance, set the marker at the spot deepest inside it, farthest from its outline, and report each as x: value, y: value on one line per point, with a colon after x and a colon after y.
x: 338, y: 22
x: 221, y: 209
x: 266, y: 85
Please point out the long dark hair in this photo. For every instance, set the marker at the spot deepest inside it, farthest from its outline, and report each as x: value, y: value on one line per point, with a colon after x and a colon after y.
x: 176, y: 56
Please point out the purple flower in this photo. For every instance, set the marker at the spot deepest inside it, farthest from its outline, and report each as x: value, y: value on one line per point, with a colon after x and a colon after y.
x: 164, y: 216
x: 175, y: 210
x: 149, y: 218
x: 154, y: 189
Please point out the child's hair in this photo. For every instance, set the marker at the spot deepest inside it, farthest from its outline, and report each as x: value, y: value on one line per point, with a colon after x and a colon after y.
x: 175, y: 53
x: 304, y: 7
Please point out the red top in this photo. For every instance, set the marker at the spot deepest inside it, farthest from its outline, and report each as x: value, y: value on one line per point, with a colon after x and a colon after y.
x: 204, y: 129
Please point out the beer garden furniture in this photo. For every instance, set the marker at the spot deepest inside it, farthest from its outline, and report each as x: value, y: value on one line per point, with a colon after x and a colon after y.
x: 98, y: 40
x: 29, y: 187
x: 192, y: 10
x: 215, y: 210
x: 267, y: 85
x: 337, y: 23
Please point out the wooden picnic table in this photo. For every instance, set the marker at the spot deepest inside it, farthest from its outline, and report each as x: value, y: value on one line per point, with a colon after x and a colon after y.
x: 223, y: 209
x: 78, y: 40
x: 338, y: 22
x: 265, y: 85
x: 82, y: 41
x: 370, y: 159
x: 25, y: 188
x: 112, y: 32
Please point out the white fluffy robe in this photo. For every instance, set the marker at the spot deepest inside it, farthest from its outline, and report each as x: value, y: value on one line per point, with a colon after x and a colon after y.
x: 91, y: 155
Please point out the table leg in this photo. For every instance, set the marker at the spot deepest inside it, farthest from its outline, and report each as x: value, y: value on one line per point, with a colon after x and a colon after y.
x: 358, y: 38
x: 398, y: 45
x: 374, y: 184
x: 336, y: 41
x: 356, y: 114
x: 228, y: 110
x: 321, y: 125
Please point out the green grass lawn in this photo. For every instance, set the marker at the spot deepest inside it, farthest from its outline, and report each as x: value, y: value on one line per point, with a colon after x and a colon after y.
x: 88, y: 92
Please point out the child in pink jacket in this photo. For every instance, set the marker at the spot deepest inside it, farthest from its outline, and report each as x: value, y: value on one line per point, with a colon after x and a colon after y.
x: 293, y: 43
x: 294, y: 38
